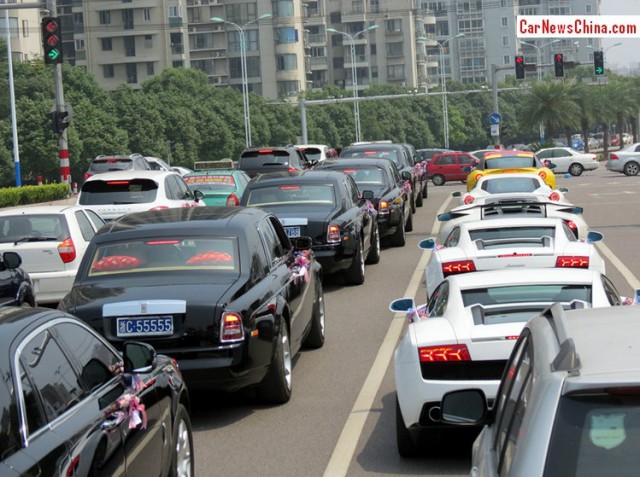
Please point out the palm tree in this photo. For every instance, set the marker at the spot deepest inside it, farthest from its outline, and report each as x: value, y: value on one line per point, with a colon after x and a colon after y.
x: 552, y: 104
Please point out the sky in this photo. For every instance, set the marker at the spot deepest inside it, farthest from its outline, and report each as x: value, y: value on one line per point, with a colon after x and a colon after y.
x: 627, y: 54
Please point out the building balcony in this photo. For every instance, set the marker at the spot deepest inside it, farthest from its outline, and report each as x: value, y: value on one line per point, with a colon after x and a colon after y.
x: 177, y: 49
x: 176, y: 22
x: 319, y: 63
x: 360, y: 60
x: 317, y: 38
x: 363, y: 83
x: 353, y: 16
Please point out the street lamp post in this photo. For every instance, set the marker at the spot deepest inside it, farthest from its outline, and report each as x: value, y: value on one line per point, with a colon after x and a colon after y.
x: 354, y: 75
x: 445, y: 107
x: 243, y: 68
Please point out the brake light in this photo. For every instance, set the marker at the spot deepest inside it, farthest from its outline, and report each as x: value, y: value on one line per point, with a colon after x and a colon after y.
x: 67, y: 250
x: 265, y: 151
x: 293, y: 169
x: 478, y: 176
x: 349, y: 171
x: 333, y: 234
x: 469, y: 200
x: 543, y: 175
x: 515, y: 255
x: 231, y: 328
x: 87, y: 175
x: 613, y: 157
x: 572, y: 261
x: 163, y: 242
x: 458, y: 266
x: 457, y: 352
x: 383, y: 207
x: 117, y: 182
x: 370, y: 153
x: 512, y: 338
x: 555, y: 196
x: 160, y: 207
x: 232, y: 200
x: 289, y: 187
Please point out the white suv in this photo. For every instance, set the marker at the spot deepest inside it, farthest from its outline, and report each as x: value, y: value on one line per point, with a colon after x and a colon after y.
x: 569, y: 401
x: 114, y: 194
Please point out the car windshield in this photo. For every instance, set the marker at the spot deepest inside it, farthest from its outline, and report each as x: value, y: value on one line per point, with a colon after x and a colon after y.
x: 111, y: 164
x: 547, y: 293
x: 603, y: 429
x: 134, y: 191
x: 171, y: 254
x: 292, y: 194
x: 262, y: 157
x: 209, y: 182
x: 312, y: 153
x: 509, y: 162
x: 502, y: 185
x: 36, y: 226
x: 366, y: 177
x: 373, y: 153
x: 509, y: 236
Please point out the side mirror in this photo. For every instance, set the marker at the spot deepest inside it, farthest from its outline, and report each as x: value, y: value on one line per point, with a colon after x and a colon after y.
x: 367, y: 194
x: 138, y: 357
x: 552, y: 165
x: 427, y: 244
x: 456, y: 194
x: 564, y: 190
x: 402, y: 304
x: 301, y: 243
x: 11, y: 260
x: 465, y: 407
x: 406, y: 175
x: 445, y: 217
x: 593, y: 236
x: 198, y: 195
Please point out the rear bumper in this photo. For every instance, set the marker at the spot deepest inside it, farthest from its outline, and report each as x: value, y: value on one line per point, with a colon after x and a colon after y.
x: 51, y: 287
x: 332, y: 257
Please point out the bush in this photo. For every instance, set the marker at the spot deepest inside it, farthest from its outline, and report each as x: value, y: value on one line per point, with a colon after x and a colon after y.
x: 13, y: 196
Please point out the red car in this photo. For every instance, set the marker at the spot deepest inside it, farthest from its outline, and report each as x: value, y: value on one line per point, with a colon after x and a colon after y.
x: 449, y: 166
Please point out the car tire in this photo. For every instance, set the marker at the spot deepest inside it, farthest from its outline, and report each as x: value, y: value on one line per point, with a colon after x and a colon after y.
x: 354, y: 275
x: 398, y: 239
x: 404, y: 441
x: 631, y: 169
x: 409, y: 226
x: 419, y: 200
x: 374, y: 252
x: 182, y: 462
x: 425, y: 190
x: 576, y: 169
x: 277, y: 385
x: 413, y: 205
x: 315, y: 338
x: 438, y: 180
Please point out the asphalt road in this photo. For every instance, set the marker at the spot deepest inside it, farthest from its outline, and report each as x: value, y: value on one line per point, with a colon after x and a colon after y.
x: 341, y: 418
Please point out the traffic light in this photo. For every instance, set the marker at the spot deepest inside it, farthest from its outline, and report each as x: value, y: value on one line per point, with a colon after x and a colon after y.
x: 52, y: 40
x: 519, y: 67
x: 598, y: 63
x: 59, y: 120
x: 558, y: 63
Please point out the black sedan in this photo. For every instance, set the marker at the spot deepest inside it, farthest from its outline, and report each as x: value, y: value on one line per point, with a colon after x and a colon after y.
x: 72, y: 405
x: 220, y: 289
x: 390, y: 195
x: 393, y: 152
x: 16, y: 287
x: 326, y: 206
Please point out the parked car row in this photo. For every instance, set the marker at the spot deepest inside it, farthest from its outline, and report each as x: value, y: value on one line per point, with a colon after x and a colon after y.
x: 466, y: 357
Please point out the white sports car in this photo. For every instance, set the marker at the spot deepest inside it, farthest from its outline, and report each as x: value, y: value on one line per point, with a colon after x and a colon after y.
x: 513, y: 205
x: 498, y: 184
x: 514, y: 243
x: 463, y: 336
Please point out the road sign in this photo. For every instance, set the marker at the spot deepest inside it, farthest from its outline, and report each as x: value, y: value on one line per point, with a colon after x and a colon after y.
x: 495, y: 119
x: 495, y: 129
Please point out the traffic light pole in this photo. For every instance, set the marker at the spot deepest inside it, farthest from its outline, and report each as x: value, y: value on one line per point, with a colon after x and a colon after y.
x: 63, y: 147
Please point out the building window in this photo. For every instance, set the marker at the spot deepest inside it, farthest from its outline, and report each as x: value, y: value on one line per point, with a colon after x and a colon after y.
x: 373, y: 49
x: 587, y: 8
x: 283, y: 8
x: 505, y: 22
x: 336, y: 40
x: 560, y: 11
x: 395, y: 49
x: 201, y: 41
x: 395, y: 72
x: 150, y: 68
x: 127, y: 19
x: 251, y: 41
x: 285, y: 88
x: 338, y: 62
x: 105, y: 17
x: 393, y: 26
x: 505, y: 41
x: 242, y: 12
x: 79, y: 44
x: 148, y: 41
x: 25, y: 28
x: 107, y: 71
x: 503, y: 3
x: 506, y: 60
x: 107, y: 44
x: 286, y: 35
x: 174, y: 11
x: 132, y: 73
x: 129, y: 46
x: 286, y: 62
x: 335, y: 17
x: 177, y: 64
x: 146, y: 14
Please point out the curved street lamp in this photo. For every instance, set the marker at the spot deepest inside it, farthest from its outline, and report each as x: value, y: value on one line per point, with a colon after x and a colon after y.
x: 243, y: 67
x: 354, y: 74
x: 445, y: 107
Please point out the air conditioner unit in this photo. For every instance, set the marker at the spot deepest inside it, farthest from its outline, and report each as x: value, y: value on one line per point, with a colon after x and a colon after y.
x: 217, y: 54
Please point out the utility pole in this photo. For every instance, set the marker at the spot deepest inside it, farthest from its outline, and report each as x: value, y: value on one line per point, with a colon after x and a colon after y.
x: 494, y: 83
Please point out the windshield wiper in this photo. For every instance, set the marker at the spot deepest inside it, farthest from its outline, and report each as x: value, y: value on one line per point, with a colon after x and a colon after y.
x: 36, y: 239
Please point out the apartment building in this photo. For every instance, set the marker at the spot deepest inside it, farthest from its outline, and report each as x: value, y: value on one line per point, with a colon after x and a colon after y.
x: 24, y: 30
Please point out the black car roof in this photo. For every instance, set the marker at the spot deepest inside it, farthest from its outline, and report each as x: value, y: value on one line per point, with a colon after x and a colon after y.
x: 232, y: 220
x: 13, y: 320
x: 303, y: 176
x: 357, y: 163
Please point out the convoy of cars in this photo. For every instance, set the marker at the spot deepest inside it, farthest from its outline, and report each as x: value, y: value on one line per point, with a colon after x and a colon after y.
x: 230, y: 293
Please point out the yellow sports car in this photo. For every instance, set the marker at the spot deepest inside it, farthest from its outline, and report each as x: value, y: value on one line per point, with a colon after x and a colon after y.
x: 499, y: 162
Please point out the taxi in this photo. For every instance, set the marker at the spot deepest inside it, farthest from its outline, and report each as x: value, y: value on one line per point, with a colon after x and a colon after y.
x: 221, y: 187
x: 500, y: 162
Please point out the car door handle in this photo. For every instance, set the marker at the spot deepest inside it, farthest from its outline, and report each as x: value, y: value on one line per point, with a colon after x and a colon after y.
x: 113, y: 421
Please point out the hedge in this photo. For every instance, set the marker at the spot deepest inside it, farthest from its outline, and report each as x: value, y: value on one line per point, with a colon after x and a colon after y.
x: 13, y: 196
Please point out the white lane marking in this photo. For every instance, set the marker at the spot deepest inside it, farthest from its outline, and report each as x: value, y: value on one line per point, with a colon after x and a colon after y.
x: 622, y: 268
x: 347, y: 442
x: 596, y: 194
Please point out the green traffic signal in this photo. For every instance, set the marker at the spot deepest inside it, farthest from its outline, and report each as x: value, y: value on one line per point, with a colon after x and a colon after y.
x: 52, y: 40
x: 598, y: 63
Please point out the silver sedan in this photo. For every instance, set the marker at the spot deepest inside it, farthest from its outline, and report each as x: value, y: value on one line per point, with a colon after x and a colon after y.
x: 627, y: 160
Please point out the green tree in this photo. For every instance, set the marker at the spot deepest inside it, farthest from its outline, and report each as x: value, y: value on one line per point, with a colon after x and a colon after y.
x: 550, y: 103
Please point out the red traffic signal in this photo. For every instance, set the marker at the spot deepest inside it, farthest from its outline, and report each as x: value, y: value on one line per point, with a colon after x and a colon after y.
x: 52, y: 40
x: 519, y: 67
x: 558, y: 63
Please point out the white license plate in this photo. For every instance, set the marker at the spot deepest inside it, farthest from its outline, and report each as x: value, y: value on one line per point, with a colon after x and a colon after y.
x: 293, y: 231
x: 147, y: 326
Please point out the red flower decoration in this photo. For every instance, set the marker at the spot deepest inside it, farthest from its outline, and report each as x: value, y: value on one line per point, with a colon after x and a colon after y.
x: 209, y: 257
x: 116, y: 262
